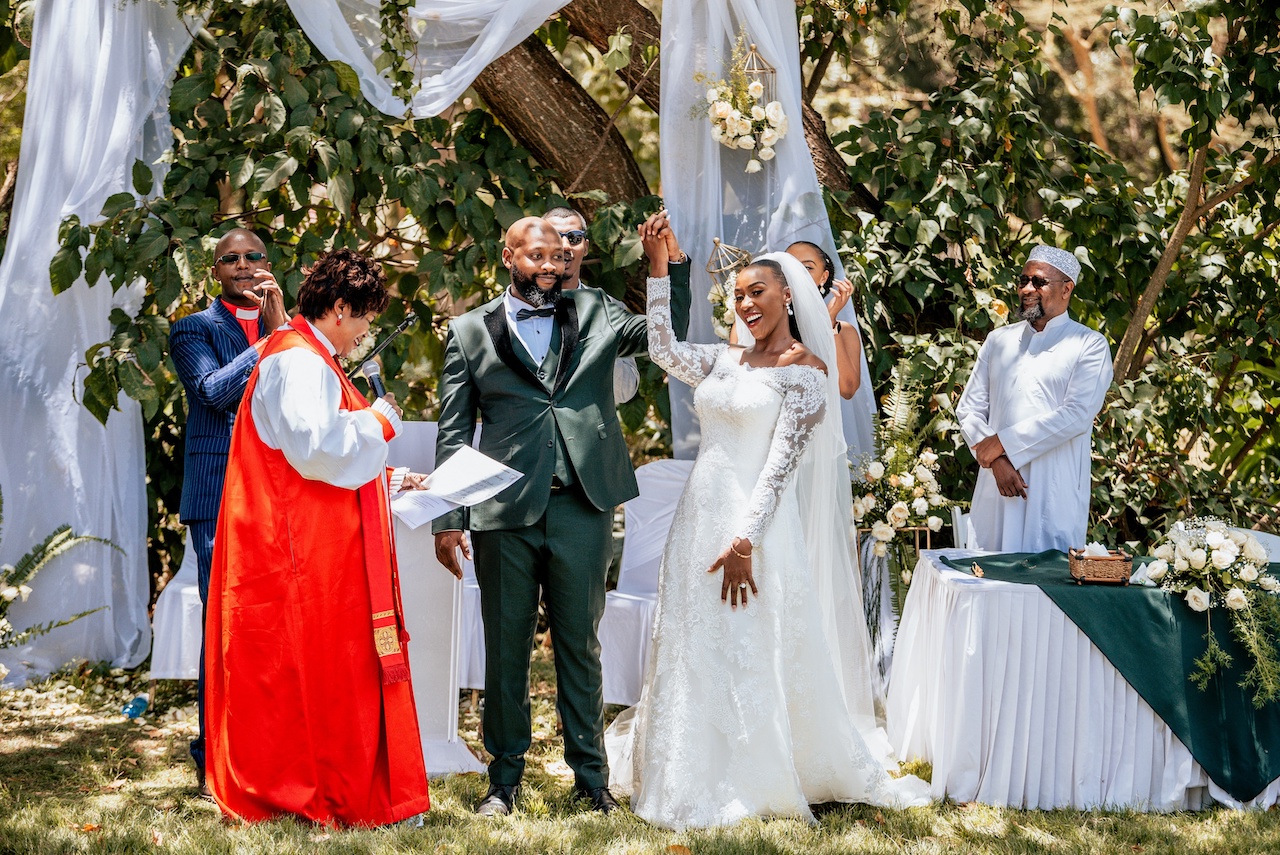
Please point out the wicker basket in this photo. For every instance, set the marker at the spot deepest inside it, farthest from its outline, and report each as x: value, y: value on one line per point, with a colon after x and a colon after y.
x: 1115, y: 569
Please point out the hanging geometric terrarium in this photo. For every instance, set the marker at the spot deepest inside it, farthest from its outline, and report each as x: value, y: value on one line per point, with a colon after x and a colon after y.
x: 756, y: 68
x: 724, y: 264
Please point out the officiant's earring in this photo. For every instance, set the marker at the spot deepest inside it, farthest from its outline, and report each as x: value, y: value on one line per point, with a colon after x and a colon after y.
x: 339, y: 318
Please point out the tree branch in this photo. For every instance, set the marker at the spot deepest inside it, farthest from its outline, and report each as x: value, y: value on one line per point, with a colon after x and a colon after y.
x: 1126, y: 365
x: 819, y: 70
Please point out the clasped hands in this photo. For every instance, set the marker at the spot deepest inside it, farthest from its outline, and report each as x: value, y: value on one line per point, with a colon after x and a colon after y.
x: 660, y: 244
x: 269, y: 298
x: 991, y: 455
x: 736, y: 563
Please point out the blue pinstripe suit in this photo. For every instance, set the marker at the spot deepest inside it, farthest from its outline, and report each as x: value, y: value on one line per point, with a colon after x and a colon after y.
x: 214, y: 360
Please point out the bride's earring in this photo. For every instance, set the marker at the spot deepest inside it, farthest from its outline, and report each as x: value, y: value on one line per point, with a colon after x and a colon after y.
x: 790, y: 311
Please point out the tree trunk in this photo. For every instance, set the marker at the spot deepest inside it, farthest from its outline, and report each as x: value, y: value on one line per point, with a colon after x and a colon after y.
x: 540, y: 103
x: 596, y: 20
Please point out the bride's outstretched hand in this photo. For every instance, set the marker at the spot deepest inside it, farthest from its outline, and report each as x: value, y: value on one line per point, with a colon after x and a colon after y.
x: 737, y: 579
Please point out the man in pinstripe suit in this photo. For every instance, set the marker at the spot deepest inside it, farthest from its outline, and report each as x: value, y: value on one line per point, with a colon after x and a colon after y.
x: 214, y: 355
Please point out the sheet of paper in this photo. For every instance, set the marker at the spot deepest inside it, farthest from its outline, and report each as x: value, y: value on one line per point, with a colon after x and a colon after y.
x: 466, y: 478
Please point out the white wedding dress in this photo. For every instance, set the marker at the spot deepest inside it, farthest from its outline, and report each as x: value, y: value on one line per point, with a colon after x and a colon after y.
x: 742, y: 713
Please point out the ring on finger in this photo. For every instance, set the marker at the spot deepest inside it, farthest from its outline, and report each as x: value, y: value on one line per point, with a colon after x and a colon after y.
x: 742, y: 585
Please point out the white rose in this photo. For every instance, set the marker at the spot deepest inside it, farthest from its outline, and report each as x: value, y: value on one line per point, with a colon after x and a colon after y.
x: 928, y: 458
x: 757, y: 113
x: 713, y: 95
x: 756, y: 89
x: 1198, y: 600
x: 936, y: 500
x: 898, y: 514
x: 879, y: 550
x: 870, y: 501
x: 858, y: 510
x: 875, y: 470
x: 717, y: 133
x: 1214, y: 539
x: 1182, y: 550
x: 1181, y: 565
x: 766, y: 153
x: 906, y: 577
x: 1269, y: 583
x: 1236, y: 599
x: 1249, y: 573
x: 920, y: 507
x: 1237, y: 536
x: 1253, y: 551
x: 1215, y: 525
x: 753, y: 165
x: 1223, y: 557
x: 4, y: 672
x: 889, y: 453
x: 908, y: 480
x: 774, y: 113
x: 1197, y: 559
x: 768, y: 136
x: 9, y: 593
x: 746, y: 142
x: 1164, y: 552
x: 1157, y: 569
x: 722, y: 109
x: 934, y: 523
x: 882, y: 531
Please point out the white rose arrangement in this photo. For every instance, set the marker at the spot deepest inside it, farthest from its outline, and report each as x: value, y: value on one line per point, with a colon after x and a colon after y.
x: 1214, y: 566
x: 741, y: 118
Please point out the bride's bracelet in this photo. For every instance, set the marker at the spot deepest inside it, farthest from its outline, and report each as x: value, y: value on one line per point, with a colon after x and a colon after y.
x: 735, y: 551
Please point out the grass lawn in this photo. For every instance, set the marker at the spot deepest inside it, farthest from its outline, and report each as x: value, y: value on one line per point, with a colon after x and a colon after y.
x: 76, y: 776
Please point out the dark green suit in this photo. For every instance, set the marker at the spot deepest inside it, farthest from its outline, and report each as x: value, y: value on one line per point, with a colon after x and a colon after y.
x: 556, y: 423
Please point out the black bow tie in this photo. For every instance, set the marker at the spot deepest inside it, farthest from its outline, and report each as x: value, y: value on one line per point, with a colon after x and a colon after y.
x: 541, y: 312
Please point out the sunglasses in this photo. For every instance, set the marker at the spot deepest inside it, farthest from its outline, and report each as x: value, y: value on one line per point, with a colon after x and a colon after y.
x: 233, y: 258
x: 1037, y: 282
x: 574, y: 237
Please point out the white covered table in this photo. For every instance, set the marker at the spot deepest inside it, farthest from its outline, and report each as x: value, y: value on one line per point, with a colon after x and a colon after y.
x: 1013, y: 705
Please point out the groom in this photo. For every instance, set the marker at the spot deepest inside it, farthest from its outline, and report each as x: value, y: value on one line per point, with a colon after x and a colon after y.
x: 536, y: 364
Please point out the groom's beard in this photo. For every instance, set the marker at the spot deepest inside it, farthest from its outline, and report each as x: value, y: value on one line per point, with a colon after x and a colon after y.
x: 527, y: 288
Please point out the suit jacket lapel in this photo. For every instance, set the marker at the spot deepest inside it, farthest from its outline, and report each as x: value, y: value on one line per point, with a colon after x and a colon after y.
x: 496, y: 323
x: 567, y: 321
x: 229, y: 325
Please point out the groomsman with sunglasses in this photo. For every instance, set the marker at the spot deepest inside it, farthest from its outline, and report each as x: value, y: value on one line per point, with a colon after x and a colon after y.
x: 1027, y: 414
x: 572, y: 227
x: 214, y: 355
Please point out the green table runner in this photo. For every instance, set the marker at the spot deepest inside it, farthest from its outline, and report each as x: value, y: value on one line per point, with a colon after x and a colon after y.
x: 1152, y: 638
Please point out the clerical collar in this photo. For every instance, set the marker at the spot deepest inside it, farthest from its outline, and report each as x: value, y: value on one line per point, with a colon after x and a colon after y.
x: 333, y: 351
x: 242, y: 314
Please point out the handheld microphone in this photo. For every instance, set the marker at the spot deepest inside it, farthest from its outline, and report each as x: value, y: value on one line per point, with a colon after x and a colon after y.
x: 373, y: 374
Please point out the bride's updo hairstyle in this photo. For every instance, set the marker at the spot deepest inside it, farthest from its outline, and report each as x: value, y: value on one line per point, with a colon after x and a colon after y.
x: 781, y: 278
x: 827, y: 266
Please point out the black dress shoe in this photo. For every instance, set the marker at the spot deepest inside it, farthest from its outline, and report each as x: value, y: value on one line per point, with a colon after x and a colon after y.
x: 499, y: 801
x: 601, y: 799
x: 202, y: 786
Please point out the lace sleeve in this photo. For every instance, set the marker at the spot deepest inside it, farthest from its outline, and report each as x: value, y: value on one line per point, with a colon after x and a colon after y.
x: 688, y: 362
x: 804, y: 403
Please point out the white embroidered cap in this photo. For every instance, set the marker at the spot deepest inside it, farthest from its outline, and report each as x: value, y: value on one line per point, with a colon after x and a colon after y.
x: 1059, y: 259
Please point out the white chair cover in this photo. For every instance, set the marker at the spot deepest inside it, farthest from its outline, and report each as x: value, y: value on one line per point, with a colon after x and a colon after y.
x: 96, y: 101
x: 175, y: 652
x: 627, y: 625
x: 706, y: 189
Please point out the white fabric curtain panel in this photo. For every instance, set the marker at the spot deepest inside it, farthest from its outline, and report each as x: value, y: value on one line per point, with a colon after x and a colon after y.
x: 97, y: 96
x: 707, y: 191
x: 457, y: 39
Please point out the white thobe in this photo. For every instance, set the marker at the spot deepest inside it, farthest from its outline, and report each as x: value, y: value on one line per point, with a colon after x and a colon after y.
x: 295, y: 409
x: 1039, y: 392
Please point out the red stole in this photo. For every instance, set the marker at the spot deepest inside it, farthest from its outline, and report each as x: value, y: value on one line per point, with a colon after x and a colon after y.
x: 309, y: 706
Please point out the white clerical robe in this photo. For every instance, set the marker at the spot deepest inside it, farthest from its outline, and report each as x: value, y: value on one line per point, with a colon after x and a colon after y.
x: 1039, y: 392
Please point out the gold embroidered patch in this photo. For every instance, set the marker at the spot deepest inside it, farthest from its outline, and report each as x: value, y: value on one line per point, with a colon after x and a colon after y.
x: 387, y: 640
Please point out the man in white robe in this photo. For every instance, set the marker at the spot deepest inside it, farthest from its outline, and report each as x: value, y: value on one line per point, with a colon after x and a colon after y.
x: 1027, y: 414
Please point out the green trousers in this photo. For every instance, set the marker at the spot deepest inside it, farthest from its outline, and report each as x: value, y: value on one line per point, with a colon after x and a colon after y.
x: 565, y: 554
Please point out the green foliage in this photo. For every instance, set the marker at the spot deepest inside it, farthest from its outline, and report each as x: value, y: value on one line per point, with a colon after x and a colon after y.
x: 1209, y: 663
x: 12, y: 51
x: 1256, y: 628
x: 15, y: 579
x: 969, y: 180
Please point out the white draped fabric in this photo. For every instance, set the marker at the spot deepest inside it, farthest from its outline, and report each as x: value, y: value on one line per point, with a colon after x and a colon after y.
x: 96, y: 101
x: 457, y: 40
x: 707, y: 191
x: 1014, y: 706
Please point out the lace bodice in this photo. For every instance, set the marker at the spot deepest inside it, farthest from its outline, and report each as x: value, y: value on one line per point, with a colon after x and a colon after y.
x: 741, y: 405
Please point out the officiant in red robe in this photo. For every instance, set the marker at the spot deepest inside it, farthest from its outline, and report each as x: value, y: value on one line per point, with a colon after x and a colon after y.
x: 310, y: 709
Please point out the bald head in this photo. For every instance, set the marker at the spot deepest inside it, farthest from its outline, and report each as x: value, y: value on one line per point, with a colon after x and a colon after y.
x: 535, y: 259
x: 238, y: 236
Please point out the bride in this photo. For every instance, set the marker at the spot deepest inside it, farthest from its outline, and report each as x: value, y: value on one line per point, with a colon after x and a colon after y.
x: 757, y: 694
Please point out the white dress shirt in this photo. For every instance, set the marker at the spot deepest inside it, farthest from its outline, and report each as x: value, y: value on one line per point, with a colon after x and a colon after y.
x: 533, y: 333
